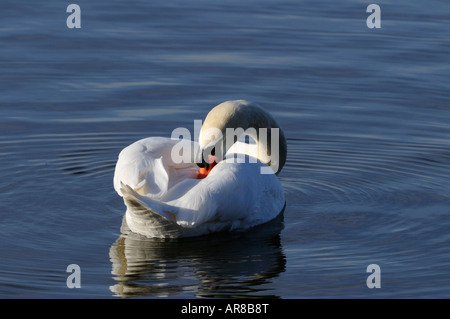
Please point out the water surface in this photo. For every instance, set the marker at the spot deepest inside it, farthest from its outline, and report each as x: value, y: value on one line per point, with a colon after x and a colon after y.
x: 366, y: 113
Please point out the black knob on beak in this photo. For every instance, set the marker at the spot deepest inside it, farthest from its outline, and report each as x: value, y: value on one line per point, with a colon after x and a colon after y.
x: 204, y: 163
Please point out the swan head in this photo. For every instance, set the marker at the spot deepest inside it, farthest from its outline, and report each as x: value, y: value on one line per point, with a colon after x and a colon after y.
x: 226, y: 122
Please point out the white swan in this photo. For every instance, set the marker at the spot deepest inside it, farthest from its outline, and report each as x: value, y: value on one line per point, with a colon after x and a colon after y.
x: 165, y: 198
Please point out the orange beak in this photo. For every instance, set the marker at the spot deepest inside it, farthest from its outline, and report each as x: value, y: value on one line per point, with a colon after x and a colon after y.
x: 204, y: 171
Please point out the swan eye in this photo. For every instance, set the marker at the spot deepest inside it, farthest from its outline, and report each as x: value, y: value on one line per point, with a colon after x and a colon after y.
x: 207, y: 152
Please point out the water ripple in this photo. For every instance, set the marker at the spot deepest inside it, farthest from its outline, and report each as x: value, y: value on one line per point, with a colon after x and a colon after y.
x: 364, y: 171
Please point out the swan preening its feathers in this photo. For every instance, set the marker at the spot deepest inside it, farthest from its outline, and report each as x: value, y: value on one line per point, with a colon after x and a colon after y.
x: 236, y: 188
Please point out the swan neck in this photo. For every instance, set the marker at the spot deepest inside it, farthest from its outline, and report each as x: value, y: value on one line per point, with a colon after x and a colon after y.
x: 232, y: 119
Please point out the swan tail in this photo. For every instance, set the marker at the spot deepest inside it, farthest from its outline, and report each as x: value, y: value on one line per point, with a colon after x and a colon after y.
x: 149, y: 217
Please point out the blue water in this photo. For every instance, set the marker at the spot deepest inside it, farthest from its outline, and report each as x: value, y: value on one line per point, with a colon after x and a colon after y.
x: 366, y: 113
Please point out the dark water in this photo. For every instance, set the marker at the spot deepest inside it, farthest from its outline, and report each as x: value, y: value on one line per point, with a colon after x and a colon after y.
x: 366, y: 113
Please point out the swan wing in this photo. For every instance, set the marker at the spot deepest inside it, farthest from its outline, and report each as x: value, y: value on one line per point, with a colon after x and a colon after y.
x: 148, y: 166
x: 147, y: 216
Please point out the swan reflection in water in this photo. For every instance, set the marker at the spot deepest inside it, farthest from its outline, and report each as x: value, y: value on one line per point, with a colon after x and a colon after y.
x: 224, y: 265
